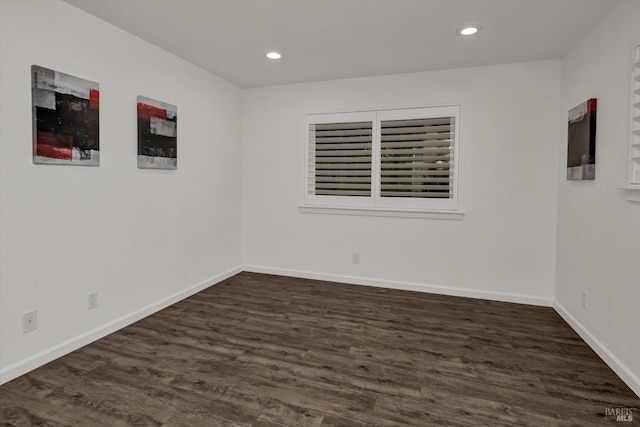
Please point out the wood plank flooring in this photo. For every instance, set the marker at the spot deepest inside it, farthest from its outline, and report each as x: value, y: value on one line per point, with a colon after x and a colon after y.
x: 260, y: 350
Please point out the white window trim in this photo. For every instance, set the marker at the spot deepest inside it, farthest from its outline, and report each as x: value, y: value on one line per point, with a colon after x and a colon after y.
x: 634, y: 142
x: 383, y: 212
x: 632, y: 188
x: 375, y: 205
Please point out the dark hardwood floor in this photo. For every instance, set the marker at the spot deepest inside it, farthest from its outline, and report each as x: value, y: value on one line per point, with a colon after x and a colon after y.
x: 261, y: 350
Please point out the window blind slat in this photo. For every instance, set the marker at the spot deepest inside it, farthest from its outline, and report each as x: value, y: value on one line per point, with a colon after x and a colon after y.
x: 343, y: 172
x: 416, y: 180
x: 406, y: 123
x: 343, y: 139
x: 401, y: 173
x: 430, y: 194
x: 342, y: 132
x: 341, y: 153
x: 417, y: 166
x: 354, y: 159
x: 346, y: 186
x: 418, y: 137
x: 416, y: 143
x: 364, y: 126
x: 389, y: 187
x: 333, y: 166
x: 338, y: 146
x: 322, y: 192
x: 393, y: 152
x: 388, y: 160
x: 339, y: 179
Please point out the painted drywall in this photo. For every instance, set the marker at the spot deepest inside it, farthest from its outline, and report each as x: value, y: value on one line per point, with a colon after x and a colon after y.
x: 140, y: 238
x: 598, y: 236
x: 143, y: 239
x: 503, y: 248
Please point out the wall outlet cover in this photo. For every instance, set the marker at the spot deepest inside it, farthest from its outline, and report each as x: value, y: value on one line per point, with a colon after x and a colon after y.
x: 29, y: 321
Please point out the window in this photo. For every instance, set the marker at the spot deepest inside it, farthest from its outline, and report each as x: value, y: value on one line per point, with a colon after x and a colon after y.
x: 404, y: 159
x: 341, y: 155
x: 634, y: 149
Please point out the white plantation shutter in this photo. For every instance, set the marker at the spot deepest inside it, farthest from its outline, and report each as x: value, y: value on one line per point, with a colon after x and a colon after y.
x: 634, y: 150
x: 403, y: 159
x: 342, y: 158
x: 416, y: 158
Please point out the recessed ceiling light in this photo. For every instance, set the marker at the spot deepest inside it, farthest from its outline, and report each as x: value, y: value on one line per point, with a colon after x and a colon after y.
x: 274, y: 55
x: 468, y: 31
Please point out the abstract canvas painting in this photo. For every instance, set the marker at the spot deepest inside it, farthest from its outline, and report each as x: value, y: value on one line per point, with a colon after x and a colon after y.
x: 581, y: 156
x: 157, y: 134
x: 65, y: 118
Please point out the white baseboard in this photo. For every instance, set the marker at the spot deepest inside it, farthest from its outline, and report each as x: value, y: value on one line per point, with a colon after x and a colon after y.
x: 406, y: 286
x: 601, y: 350
x: 32, y: 362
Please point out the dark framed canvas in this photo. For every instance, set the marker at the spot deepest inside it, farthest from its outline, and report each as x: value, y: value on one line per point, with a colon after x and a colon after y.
x: 157, y: 134
x: 66, y: 118
x: 581, y: 153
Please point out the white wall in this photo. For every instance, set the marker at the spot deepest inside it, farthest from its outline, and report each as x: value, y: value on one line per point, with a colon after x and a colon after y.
x: 143, y: 239
x: 598, y: 236
x: 140, y: 238
x: 504, y: 248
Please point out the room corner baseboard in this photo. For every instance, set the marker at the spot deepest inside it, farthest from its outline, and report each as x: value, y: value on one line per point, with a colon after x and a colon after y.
x: 601, y: 350
x: 32, y: 362
x: 405, y: 286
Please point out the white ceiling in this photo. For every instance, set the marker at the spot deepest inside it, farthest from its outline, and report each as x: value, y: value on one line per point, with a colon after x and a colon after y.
x: 334, y: 39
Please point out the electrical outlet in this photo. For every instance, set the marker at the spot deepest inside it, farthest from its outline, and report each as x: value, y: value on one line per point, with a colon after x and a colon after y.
x: 93, y: 300
x: 585, y: 301
x: 355, y: 258
x: 29, y: 321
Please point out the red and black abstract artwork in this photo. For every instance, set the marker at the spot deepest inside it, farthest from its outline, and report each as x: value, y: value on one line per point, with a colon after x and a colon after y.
x: 65, y: 118
x: 581, y: 153
x: 157, y: 134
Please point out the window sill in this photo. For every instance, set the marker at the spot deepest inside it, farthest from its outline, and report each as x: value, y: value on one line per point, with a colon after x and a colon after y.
x: 382, y: 212
x: 632, y: 193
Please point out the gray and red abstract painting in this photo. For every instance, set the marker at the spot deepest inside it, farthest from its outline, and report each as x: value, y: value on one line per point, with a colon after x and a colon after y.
x: 157, y: 134
x: 581, y: 154
x: 65, y: 118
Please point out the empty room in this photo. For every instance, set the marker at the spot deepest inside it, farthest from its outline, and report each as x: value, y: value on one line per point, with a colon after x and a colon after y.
x: 319, y: 212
